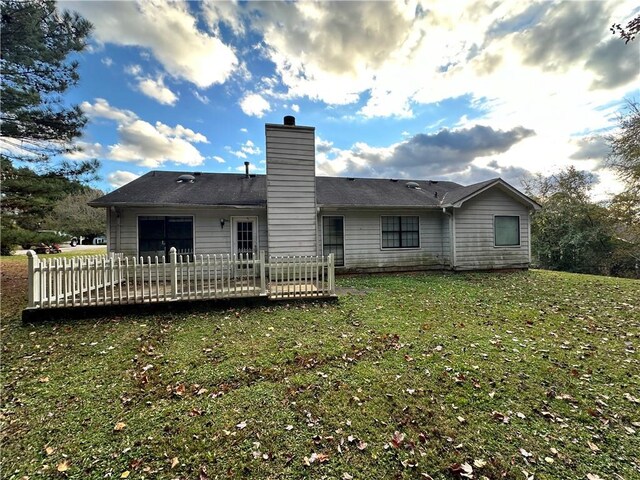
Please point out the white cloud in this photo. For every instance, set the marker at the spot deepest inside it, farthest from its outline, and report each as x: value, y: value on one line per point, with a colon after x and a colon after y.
x: 169, y: 30
x: 144, y: 144
x: 87, y: 151
x: 101, y: 109
x: 244, y: 130
x: 157, y: 90
x: 218, y: 159
x: 254, y: 105
x: 247, y: 148
x: 108, y: 61
x: 133, y: 69
x: 120, y: 177
x: 201, y: 97
x: 295, y: 107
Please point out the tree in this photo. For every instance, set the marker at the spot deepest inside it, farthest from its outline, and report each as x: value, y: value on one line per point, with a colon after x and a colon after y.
x: 35, y: 124
x: 27, y: 198
x: 571, y: 232
x: 629, y: 32
x: 72, y: 215
x: 624, y: 158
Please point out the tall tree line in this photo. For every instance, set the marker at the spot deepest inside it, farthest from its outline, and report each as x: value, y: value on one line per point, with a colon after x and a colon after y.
x: 38, y: 46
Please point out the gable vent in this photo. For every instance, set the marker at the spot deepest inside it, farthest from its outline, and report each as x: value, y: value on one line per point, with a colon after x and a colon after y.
x: 413, y: 185
x: 186, y: 179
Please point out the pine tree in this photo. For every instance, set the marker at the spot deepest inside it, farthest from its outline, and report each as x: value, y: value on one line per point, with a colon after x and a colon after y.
x: 35, y: 123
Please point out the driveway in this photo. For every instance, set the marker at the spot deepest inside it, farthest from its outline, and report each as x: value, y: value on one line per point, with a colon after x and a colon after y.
x: 65, y: 247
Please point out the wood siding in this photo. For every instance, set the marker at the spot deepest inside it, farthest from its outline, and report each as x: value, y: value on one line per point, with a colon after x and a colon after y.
x: 474, y: 235
x: 208, y: 237
x: 363, y: 241
x: 291, y: 190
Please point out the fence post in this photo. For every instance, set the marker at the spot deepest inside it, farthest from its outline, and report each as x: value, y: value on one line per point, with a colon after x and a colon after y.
x: 263, y: 277
x: 332, y: 275
x: 173, y: 262
x: 34, y: 279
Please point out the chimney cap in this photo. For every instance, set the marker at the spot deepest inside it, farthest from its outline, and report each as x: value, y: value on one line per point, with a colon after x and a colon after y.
x: 290, y: 120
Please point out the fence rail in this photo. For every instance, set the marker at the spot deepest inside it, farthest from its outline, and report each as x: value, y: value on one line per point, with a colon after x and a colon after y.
x: 114, y: 279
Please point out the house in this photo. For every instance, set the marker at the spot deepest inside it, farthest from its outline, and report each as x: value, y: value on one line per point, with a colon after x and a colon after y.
x: 368, y: 224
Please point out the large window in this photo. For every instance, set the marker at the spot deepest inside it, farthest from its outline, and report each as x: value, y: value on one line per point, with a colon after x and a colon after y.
x: 333, y: 238
x: 157, y: 234
x: 507, y: 231
x: 400, y: 232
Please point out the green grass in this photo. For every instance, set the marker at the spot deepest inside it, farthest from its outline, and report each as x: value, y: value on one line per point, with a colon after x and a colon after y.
x: 440, y: 358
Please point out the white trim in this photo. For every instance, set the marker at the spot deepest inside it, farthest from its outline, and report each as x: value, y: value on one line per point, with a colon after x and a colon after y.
x: 499, y: 182
x: 401, y: 249
x: 193, y: 228
x: 529, y: 235
x: 109, y: 242
x: 454, y: 250
x: 344, y: 231
x: 519, y: 231
x: 256, y: 233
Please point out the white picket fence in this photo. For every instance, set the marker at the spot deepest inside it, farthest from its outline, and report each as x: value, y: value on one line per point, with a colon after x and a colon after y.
x: 113, y: 279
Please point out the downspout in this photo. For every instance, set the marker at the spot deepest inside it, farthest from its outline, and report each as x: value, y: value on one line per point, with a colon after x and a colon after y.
x: 115, y: 211
x: 531, y: 212
x: 452, y: 237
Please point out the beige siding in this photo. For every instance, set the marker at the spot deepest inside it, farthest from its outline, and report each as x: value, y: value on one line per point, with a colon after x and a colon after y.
x: 474, y: 234
x: 363, y: 241
x: 291, y: 190
x: 209, y: 238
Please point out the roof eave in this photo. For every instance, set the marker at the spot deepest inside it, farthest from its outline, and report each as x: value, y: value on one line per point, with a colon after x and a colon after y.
x: 174, y: 205
x: 521, y: 196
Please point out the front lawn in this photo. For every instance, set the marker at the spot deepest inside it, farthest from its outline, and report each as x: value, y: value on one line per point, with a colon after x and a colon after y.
x: 407, y: 376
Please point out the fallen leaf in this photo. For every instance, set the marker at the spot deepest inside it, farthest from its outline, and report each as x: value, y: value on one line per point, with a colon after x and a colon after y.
x: 125, y: 474
x: 241, y: 425
x: 362, y: 445
x: 548, y: 459
x: 593, y: 476
x: 593, y: 446
x: 462, y: 420
x: 43, y: 379
x: 63, y: 466
x: 346, y: 476
x: 525, y: 454
x: 467, y: 470
x: 174, y: 462
x: 119, y: 426
x: 479, y: 463
x: 397, y: 439
x: 49, y: 450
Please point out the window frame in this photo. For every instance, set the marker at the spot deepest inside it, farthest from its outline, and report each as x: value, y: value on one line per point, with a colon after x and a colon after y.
x: 514, y: 245
x: 165, y: 215
x: 344, y: 230
x: 382, y: 247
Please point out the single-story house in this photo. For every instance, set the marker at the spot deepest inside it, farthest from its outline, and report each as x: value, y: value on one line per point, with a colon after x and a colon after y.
x: 369, y: 224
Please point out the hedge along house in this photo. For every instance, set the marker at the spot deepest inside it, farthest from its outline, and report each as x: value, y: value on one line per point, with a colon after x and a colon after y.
x: 369, y: 224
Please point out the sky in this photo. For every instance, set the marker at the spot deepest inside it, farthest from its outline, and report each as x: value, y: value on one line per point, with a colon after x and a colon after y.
x: 451, y: 90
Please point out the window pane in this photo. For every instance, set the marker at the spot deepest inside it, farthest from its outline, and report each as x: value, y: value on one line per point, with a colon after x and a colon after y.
x: 333, y: 238
x: 400, y: 231
x: 507, y: 231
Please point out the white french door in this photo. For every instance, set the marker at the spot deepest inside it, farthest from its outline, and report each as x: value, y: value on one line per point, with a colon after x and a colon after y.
x: 244, y: 236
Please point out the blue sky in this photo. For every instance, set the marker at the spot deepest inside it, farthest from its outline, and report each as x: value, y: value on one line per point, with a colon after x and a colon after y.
x: 464, y: 91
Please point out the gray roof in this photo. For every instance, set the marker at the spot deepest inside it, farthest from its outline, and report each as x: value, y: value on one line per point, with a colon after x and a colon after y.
x: 160, y: 188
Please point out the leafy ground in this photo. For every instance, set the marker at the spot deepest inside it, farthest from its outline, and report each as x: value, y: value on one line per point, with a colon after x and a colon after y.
x: 411, y: 376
